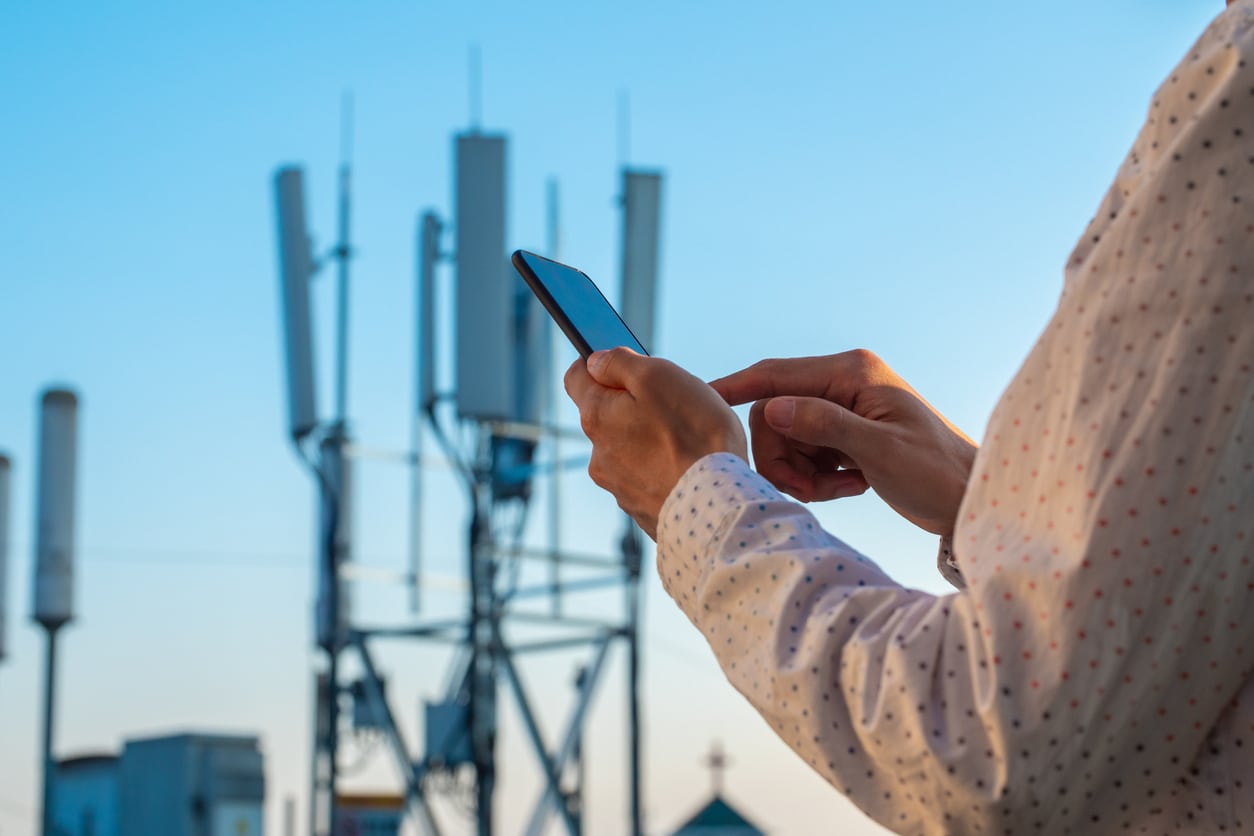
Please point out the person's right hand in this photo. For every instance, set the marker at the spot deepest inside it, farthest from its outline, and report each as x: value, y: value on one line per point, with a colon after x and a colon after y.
x: 827, y: 427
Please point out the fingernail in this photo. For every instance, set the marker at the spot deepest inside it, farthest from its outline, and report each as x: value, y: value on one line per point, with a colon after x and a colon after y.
x: 596, y: 360
x: 780, y: 412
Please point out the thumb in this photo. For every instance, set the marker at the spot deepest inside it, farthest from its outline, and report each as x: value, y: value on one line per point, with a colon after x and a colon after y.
x: 615, y: 368
x: 819, y: 422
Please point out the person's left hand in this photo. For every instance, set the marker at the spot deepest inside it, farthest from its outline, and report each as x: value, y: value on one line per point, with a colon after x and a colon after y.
x: 649, y: 421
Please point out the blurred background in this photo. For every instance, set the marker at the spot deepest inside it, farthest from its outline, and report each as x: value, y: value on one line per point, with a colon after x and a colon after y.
x: 897, y: 176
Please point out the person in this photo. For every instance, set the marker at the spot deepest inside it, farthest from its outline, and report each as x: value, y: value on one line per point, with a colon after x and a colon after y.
x: 1093, y: 671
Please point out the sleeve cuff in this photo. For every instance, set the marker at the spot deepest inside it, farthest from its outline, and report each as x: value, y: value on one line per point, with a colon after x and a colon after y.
x: 947, y: 563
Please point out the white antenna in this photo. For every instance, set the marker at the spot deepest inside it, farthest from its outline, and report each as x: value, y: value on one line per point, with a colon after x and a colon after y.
x: 54, y: 514
x: 429, y: 231
x: 5, y: 469
x: 642, y: 208
x: 484, y: 352
x: 296, y: 269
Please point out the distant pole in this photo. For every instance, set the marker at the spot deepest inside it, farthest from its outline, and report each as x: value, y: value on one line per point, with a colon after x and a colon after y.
x: 577, y: 800
x: 484, y: 614
x: 428, y: 257
x: 50, y: 763
x: 54, y: 554
x: 633, y: 550
x: 556, y: 344
x: 289, y: 816
x: 334, y: 503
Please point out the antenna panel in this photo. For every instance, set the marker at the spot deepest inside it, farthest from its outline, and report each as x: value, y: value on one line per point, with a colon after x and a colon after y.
x: 534, y: 358
x: 54, y: 508
x: 428, y: 257
x: 296, y: 268
x: 485, y: 282
x: 642, y: 208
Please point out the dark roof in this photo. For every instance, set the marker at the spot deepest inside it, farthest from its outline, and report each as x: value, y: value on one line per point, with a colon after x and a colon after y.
x: 86, y: 761
x: 718, y: 817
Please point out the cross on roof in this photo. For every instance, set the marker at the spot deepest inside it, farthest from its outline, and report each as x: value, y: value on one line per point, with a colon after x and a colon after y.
x: 717, y: 761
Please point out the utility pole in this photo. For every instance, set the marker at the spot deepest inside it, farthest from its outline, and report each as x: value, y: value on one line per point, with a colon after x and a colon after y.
x: 54, y: 558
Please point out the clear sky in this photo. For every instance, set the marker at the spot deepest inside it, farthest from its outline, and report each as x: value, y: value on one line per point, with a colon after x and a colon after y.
x: 905, y: 177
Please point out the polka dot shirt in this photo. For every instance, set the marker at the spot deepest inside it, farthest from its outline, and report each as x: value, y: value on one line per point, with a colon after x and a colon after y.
x: 1094, y: 673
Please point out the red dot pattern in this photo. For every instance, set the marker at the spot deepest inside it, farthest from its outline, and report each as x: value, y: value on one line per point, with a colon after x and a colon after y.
x: 1095, y: 674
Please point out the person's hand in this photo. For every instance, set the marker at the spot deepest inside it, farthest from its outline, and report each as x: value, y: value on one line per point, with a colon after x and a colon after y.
x: 649, y: 421
x: 829, y: 427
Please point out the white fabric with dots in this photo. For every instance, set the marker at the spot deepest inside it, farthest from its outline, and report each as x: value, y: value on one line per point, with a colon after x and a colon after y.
x: 1094, y: 676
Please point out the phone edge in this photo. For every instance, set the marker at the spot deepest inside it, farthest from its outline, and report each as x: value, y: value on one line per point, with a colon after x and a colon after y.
x: 550, y: 304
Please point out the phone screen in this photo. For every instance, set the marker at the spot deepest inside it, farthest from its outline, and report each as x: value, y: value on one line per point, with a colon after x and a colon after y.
x: 576, y: 304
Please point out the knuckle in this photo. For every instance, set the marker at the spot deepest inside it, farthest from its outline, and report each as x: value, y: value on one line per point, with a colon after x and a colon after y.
x: 862, y: 359
x: 589, y: 419
x: 569, y: 377
x: 615, y: 356
x: 597, y: 472
x: 762, y: 376
x: 766, y: 367
x: 864, y: 356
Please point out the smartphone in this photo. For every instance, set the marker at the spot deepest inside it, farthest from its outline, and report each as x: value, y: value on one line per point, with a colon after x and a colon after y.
x: 578, y: 307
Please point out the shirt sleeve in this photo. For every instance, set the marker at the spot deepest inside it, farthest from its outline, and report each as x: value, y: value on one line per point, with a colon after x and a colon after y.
x: 835, y: 655
x: 1104, y: 538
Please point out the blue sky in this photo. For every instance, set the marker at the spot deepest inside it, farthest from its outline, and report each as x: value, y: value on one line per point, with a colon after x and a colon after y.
x: 903, y: 177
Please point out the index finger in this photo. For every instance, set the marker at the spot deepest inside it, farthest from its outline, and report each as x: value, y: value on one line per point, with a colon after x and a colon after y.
x: 578, y: 382
x: 800, y: 376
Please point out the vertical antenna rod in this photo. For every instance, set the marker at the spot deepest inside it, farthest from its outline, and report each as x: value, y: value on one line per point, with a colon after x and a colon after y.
x: 54, y: 556
x: 555, y: 478
x: 554, y: 221
x: 624, y: 128
x: 476, y: 90
x: 342, y: 252
x: 333, y: 451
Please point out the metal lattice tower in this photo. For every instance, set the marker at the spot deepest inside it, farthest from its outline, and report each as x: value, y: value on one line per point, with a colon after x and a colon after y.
x: 503, y: 448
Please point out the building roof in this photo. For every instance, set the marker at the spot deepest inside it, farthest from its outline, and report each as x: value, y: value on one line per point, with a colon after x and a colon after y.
x: 87, y: 762
x: 718, y: 818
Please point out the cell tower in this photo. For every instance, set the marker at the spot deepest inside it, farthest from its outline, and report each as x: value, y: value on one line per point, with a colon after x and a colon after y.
x: 496, y: 426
